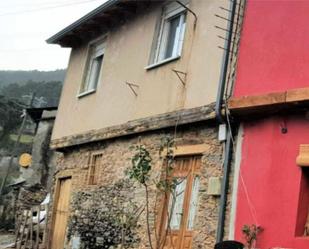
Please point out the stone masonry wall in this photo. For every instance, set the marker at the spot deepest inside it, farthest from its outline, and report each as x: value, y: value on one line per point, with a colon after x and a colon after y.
x: 86, y: 205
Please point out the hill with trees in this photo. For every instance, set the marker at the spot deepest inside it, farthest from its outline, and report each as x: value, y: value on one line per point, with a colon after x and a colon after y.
x: 20, y: 85
x: 20, y: 77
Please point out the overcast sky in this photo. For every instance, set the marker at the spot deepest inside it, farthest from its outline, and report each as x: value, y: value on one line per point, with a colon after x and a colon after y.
x: 26, y: 24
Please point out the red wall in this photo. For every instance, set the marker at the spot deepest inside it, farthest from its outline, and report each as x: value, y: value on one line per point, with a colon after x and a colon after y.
x: 274, y: 48
x: 273, y: 181
x: 273, y: 57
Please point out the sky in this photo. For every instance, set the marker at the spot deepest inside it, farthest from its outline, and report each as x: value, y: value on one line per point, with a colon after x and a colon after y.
x: 26, y: 24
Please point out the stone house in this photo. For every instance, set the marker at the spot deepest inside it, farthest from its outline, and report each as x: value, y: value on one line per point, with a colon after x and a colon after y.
x: 140, y: 73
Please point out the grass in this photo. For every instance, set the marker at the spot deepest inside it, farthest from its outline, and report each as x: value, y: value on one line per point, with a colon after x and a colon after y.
x: 25, y: 139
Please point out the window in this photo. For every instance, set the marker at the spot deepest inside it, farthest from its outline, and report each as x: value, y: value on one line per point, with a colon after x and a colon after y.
x: 93, y: 68
x: 95, y: 163
x: 170, y: 36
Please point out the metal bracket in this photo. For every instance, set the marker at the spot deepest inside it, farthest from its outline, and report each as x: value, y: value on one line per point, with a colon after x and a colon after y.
x: 132, y: 86
x: 183, y: 78
x: 188, y: 9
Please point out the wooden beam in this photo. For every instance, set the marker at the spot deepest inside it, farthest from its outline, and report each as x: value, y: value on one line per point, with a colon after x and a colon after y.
x: 269, y: 102
x: 166, y: 120
x: 256, y: 101
x: 297, y: 95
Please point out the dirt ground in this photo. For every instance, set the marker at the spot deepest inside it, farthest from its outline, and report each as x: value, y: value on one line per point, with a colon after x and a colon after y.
x: 6, y: 239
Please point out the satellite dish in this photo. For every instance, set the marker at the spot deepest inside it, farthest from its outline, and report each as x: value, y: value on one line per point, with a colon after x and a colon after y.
x: 25, y: 160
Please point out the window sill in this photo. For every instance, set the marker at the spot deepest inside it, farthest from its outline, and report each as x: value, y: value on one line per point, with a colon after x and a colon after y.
x: 80, y: 95
x: 160, y: 63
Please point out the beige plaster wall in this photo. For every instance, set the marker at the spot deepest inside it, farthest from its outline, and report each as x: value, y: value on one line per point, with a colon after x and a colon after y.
x: 127, y: 54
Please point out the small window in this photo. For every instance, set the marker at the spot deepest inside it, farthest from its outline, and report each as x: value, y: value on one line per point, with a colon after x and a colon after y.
x: 95, y: 163
x: 171, y: 34
x: 93, y: 68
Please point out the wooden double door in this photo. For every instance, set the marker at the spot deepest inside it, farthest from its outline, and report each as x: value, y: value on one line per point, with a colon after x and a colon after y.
x: 61, y: 213
x: 180, y: 205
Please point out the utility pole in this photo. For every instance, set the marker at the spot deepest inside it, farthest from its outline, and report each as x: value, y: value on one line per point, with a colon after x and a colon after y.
x: 16, y: 145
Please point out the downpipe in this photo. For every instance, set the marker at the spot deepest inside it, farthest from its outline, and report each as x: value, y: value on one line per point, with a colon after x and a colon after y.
x: 221, y: 120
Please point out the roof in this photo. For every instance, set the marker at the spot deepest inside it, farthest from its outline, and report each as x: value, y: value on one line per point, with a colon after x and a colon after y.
x: 98, y: 21
x: 37, y: 114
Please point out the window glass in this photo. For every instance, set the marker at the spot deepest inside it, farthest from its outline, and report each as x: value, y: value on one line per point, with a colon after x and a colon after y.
x: 176, y: 204
x: 94, y: 65
x: 95, y: 72
x: 174, y: 27
x: 171, y: 35
x: 193, y: 202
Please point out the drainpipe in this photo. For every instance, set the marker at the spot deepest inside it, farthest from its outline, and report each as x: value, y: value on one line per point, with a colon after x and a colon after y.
x: 221, y: 120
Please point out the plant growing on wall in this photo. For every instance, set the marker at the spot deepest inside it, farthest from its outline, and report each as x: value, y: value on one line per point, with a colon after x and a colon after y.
x: 140, y: 172
x: 250, y: 233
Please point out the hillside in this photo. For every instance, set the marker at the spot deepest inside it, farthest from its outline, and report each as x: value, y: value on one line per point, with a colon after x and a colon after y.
x: 21, y: 77
x: 20, y: 85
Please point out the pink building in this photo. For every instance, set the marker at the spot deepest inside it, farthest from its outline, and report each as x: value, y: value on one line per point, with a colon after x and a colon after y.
x: 270, y: 99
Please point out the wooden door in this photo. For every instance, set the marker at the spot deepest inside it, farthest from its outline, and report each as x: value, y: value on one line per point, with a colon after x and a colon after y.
x: 181, y: 204
x: 61, y: 213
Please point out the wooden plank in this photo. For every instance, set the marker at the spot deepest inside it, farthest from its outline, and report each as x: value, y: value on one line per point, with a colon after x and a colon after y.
x: 31, y: 228
x: 258, y: 100
x: 23, y: 228
x: 18, y: 230
x: 271, y: 102
x: 45, y: 226
x: 297, y: 95
x: 166, y: 120
x: 186, y: 150
x: 37, y: 240
x: 61, y: 214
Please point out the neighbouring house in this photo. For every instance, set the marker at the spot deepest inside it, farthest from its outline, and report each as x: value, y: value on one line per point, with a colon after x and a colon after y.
x: 142, y: 74
x: 38, y: 176
x: 29, y: 185
x: 270, y: 100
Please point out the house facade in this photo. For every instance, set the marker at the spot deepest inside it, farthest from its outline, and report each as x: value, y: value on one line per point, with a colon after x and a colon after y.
x: 141, y: 74
x: 270, y: 100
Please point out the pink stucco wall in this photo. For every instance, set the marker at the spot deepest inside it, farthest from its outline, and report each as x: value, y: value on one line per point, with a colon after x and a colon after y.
x: 274, y: 57
x: 274, y: 50
x: 270, y: 182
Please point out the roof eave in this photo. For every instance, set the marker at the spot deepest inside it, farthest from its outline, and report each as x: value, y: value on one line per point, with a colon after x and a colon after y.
x: 55, y: 39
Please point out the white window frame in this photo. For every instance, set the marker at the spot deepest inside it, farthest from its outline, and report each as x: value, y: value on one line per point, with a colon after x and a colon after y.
x: 95, y: 49
x: 170, y: 12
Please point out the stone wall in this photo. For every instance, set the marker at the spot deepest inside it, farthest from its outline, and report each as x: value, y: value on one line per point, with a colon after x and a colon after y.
x: 115, y: 160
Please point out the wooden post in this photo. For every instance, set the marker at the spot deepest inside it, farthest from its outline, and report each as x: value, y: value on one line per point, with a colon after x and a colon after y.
x: 23, y: 229
x: 31, y: 229
x: 17, y: 231
x: 45, y: 226
x: 38, y: 230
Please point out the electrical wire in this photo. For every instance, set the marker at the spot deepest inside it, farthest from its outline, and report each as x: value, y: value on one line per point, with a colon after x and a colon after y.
x: 46, y: 8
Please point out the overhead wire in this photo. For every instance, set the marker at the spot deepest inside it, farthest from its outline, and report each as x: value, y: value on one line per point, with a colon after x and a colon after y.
x: 47, y: 8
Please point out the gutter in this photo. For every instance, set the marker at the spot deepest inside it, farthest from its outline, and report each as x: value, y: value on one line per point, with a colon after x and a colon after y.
x: 221, y: 120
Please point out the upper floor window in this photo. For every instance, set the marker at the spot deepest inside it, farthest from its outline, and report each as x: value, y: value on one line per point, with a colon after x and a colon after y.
x: 93, y: 68
x: 169, y: 39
